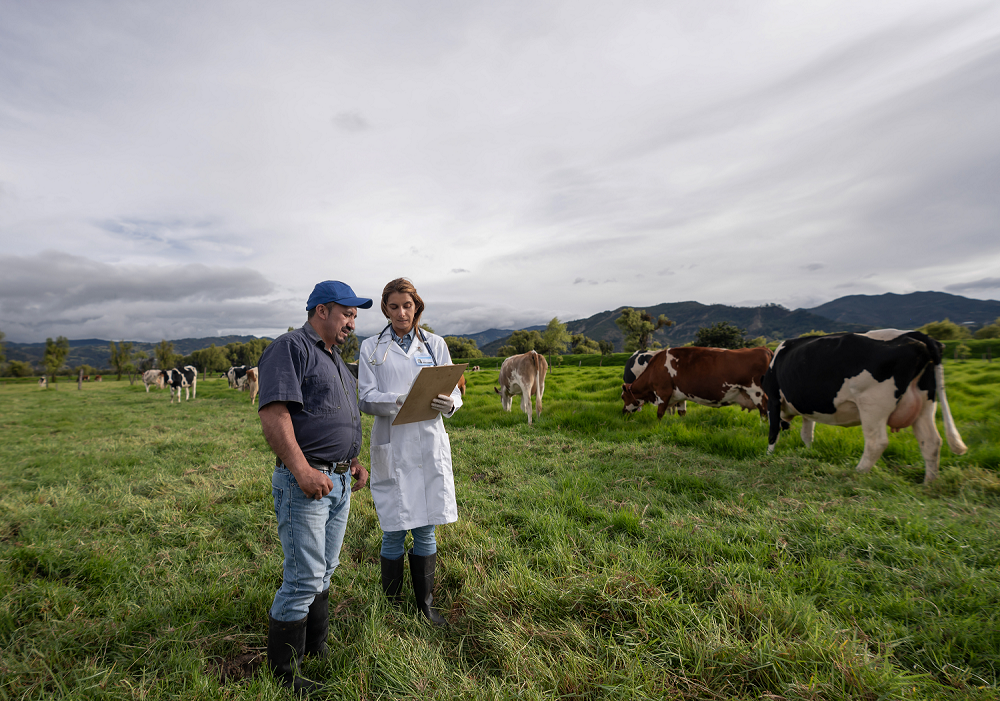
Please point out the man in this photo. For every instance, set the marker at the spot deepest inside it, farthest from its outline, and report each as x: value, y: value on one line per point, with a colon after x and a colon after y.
x: 309, y: 415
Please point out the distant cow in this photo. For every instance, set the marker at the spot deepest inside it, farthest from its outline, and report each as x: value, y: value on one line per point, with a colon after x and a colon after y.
x: 236, y: 375
x: 97, y: 379
x: 185, y: 378
x: 713, y: 377
x: 875, y: 379
x: 525, y: 375
x: 152, y: 378
x: 42, y: 382
x: 636, y: 365
x: 252, y: 383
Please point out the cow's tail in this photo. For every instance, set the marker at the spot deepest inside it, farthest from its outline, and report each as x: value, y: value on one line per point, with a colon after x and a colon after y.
x: 950, y: 430
x: 769, y: 385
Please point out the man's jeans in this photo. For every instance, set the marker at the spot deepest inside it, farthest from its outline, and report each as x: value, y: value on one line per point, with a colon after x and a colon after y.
x: 311, y: 532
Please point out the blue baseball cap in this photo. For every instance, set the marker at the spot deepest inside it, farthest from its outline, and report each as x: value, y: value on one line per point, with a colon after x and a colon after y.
x: 336, y: 291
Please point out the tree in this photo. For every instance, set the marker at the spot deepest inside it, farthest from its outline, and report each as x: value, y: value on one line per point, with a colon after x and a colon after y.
x: 945, y: 330
x: 581, y: 345
x: 812, y: 333
x: 988, y: 331
x: 607, y: 347
x: 427, y: 328
x: 638, y: 328
x: 211, y: 359
x: 246, y: 353
x: 121, y: 358
x: 20, y: 368
x: 55, y: 355
x: 166, y: 358
x: 524, y: 341
x: 722, y: 334
x: 506, y: 351
x: 348, y: 351
x: 463, y: 347
x: 556, y: 337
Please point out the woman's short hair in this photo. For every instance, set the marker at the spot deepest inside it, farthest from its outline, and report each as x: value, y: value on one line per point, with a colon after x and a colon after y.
x: 401, y: 284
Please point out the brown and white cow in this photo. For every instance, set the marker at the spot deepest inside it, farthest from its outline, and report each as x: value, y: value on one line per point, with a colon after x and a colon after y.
x: 153, y: 378
x: 879, y: 379
x: 525, y: 375
x: 636, y: 365
x: 713, y: 377
x: 252, y: 383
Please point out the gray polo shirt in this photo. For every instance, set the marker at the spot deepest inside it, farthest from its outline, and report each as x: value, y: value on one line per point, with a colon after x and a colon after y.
x: 320, y: 392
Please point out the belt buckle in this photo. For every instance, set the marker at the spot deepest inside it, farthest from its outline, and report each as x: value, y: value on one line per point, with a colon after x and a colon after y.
x: 341, y: 467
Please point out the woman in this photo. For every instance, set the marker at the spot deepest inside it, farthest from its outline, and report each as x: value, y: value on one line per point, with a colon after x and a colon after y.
x: 411, y: 478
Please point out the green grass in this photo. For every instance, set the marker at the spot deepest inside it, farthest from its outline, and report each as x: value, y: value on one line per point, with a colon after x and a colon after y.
x: 596, y: 557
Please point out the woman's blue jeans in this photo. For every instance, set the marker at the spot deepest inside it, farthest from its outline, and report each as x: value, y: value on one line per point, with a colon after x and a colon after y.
x: 424, y: 544
x: 311, y: 532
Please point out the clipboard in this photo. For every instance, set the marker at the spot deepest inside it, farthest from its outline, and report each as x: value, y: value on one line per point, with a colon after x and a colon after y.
x: 429, y: 383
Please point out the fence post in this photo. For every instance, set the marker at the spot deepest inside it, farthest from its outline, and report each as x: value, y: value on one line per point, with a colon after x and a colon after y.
x: 79, y: 380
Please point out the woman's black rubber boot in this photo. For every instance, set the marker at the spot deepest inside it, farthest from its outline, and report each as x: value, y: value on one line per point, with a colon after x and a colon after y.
x: 392, y: 579
x: 422, y: 572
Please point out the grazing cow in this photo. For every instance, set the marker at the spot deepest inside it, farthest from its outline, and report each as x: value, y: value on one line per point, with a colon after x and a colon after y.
x: 636, y: 365
x: 97, y: 379
x: 182, y: 378
x: 525, y: 375
x: 236, y: 375
x: 152, y: 377
x: 712, y: 377
x: 86, y: 378
x: 42, y: 382
x: 474, y: 368
x: 252, y: 383
x: 876, y: 379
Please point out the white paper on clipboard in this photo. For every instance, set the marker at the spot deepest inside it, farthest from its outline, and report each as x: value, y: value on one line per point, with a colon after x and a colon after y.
x: 429, y: 383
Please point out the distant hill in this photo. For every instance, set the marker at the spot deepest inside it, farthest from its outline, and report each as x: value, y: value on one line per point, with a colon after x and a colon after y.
x: 851, y: 313
x: 909, y: 311
x: 95, y: 352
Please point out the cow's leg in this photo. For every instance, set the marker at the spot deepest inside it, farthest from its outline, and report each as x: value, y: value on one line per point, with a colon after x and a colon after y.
x: 925, y: 429
x: 807, y: 430
x: 873, y: 425
x: 526, y: 405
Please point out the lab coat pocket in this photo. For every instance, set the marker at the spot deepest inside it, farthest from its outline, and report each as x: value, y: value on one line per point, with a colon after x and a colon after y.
x: 381, y: 464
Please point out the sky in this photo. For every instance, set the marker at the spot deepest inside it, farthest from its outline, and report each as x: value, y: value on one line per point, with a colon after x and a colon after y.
x: 188, y: 169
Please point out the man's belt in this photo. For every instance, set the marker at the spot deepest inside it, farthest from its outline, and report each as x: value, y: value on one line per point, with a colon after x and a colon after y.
x: 336, y: 468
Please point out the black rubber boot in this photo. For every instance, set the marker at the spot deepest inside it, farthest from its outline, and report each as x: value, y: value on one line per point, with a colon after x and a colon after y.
x: 422, y: 572
x: 392, y: 579
x: 318, y: 625
x: 286, y: 642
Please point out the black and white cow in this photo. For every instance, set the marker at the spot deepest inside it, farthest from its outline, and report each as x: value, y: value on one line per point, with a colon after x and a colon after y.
x: 885, y: 378
x: 236, y: 375
x: 182, y: 378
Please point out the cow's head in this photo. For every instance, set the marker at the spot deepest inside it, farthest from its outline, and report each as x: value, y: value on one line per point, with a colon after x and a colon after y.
x: 632, y: 402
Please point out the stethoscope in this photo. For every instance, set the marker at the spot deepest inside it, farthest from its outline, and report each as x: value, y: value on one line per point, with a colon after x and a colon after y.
x: 371, y: 358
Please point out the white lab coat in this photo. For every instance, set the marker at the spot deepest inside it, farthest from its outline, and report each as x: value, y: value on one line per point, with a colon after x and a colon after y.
x: 411, y: 480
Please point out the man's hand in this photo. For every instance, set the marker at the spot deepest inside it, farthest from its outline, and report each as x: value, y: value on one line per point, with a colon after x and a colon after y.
x: 443, y: 403
x: 360, y: 475
x: 313, y: 483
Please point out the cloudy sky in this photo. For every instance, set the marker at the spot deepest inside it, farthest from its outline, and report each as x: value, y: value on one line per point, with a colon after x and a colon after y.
x: 186, y: 169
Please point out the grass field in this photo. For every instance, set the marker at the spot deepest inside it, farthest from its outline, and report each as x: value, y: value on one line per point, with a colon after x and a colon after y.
x: 594, y: 558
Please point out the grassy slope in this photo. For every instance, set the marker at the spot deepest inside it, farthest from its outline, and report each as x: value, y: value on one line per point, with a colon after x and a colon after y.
x: 594, y: 558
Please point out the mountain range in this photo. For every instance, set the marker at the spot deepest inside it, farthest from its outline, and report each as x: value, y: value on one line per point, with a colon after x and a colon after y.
x: 851, y: 313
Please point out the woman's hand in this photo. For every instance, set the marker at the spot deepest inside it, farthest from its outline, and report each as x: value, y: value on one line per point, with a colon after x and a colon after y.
x: 443, y: 403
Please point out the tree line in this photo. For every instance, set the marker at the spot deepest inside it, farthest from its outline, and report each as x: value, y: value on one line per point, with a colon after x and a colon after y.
x: 636, y: 325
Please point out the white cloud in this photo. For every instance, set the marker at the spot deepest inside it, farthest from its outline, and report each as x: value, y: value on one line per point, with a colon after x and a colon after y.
x: 559, y: 159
